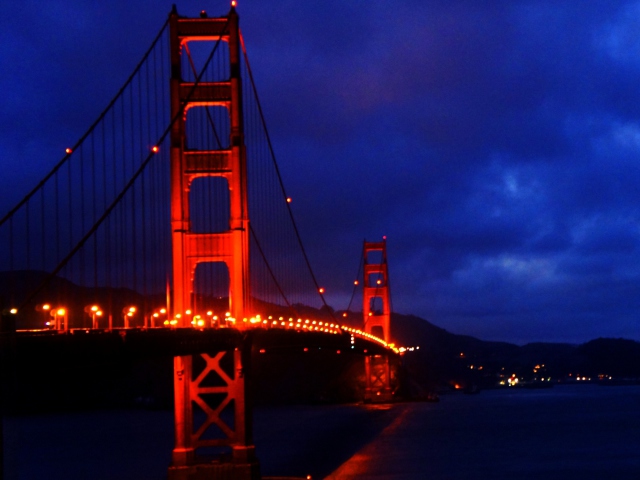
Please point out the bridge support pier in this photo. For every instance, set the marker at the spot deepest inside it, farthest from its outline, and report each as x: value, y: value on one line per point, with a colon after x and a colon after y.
x: 378, y: 379
x: 213, y: 413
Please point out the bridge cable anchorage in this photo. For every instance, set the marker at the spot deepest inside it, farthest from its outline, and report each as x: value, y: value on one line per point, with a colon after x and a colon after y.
x: 284, y: 194
x: 129, y: 184
x: 69, y: 151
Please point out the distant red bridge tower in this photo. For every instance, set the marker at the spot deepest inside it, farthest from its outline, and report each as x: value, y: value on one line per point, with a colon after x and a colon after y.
x: 376, y: 310
x: 193, y: 386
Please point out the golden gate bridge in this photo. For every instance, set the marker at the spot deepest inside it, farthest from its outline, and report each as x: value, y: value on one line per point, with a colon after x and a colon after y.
x: 167, y: 228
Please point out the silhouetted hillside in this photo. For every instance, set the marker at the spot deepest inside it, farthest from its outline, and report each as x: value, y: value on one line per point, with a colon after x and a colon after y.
x: 445, y: 358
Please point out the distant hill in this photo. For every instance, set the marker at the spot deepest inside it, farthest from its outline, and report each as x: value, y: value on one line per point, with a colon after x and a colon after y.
x: 445, y: 358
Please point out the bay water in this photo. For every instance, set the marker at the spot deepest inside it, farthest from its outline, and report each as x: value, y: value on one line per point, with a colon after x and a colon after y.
x: 565, y: 432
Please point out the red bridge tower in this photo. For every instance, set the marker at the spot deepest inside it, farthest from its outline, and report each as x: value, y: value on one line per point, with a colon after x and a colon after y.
x: 376, y: 310
x: 218, y: 377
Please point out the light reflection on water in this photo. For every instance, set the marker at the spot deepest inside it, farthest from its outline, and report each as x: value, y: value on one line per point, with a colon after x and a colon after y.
x: 585, y: 432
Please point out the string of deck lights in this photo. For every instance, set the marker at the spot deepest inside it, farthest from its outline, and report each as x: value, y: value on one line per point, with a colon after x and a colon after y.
x: 211, y: 321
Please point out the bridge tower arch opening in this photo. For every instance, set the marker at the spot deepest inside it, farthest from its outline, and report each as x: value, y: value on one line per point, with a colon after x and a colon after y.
x: 196, y: 158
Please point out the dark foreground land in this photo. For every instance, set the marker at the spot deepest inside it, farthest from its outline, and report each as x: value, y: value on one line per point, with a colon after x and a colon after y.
x: 575, y: 431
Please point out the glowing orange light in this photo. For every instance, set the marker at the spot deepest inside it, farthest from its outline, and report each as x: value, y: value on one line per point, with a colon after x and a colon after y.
x: 234, y: 3
x: 68, y: 151
x: 379, y: 282
x: 356, y: 282
x: 46, y: 306
x: 155, y: 149
x: 288, y: 199
x: 344, y: 314
x: 60, y: 312
x: 262, y: 350
x: 321, y: 290
x: 13, y: 311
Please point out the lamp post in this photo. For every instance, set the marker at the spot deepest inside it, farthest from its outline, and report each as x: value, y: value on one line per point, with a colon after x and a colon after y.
x: 45, y: 308
x: 94, y: 312
x: 155, y: 317
x: 60, y: 318
x: 128, y: 313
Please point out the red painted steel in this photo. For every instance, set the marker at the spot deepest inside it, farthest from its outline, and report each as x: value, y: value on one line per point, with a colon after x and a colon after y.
x: 376, y: 287
x: 190, y: 249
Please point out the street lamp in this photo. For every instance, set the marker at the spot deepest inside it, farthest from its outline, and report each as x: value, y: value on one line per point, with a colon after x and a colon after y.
x: 156, y: 316
x: 45, y: 308
x: 128, y: 313
x: 94, y: 312
x: 60, y: 318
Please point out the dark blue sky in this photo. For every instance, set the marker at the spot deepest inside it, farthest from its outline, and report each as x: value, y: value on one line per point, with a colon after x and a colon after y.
x: 496, y: 146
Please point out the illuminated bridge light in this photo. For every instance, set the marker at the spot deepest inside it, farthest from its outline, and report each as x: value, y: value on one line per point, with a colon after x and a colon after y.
x: 321, y: 290
x: 68, y: 151
x: 155, y: 149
